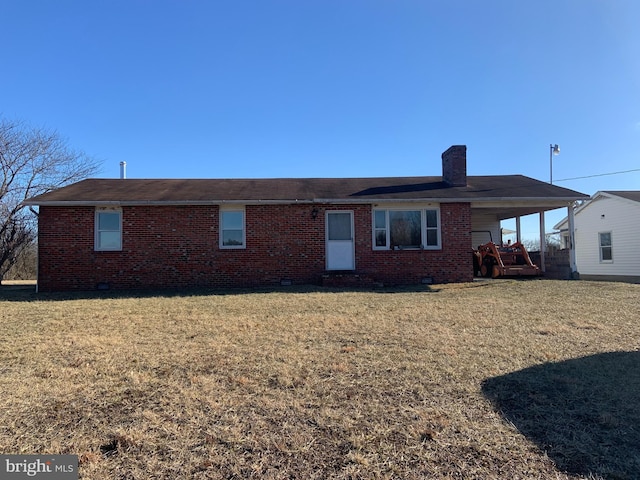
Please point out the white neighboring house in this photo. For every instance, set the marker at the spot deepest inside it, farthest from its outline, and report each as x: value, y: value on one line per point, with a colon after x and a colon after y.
x: 607, y: 236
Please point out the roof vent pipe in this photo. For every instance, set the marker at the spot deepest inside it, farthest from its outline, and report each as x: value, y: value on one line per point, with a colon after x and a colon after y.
x: 123, y: 170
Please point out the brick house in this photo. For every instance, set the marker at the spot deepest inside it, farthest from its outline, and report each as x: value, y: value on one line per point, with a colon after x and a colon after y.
x: 181, y: 233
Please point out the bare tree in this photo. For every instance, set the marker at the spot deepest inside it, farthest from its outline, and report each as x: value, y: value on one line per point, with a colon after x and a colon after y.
x: 533, y: 245
x: 25, y: 267
x: 32, y: 161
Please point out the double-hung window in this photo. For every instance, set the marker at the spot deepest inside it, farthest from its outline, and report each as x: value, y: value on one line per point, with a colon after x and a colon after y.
x: 232, y: 228
x: 605, y: 243
x: 108, y: 230
x: 400, y: 228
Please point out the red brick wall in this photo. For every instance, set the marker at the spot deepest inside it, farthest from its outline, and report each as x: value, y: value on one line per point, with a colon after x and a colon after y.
x: 452, y: 263
x: 177, y: 247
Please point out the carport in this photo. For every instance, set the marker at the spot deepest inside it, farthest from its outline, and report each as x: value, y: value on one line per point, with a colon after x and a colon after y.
x: 486, y: 216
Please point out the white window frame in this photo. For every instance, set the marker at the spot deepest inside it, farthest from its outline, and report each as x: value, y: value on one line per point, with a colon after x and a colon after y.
x: 96, y: 243
x: 423, y: 227
x: 437, y: 228
x: 600, y: 246
x: 241, y: 210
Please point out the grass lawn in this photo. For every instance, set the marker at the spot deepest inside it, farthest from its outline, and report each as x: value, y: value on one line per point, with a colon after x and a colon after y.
x: 505, y: 379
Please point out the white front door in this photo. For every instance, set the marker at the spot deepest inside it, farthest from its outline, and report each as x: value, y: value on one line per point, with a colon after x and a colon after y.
x: 340, y: 245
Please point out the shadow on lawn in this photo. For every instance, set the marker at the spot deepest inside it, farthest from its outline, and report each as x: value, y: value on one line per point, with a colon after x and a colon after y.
x: 27, y: 293
x: 584, y: 413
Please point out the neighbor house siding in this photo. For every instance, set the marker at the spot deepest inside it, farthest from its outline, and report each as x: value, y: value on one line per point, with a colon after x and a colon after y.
x: 622, y: 219
x: 178, y: 247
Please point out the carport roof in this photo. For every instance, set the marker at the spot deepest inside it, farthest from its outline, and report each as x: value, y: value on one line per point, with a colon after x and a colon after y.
x: 480, y: 191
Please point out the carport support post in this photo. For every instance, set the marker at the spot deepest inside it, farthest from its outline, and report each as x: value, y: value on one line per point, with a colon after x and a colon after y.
x: 518, y: 237
x: 572, y: 242
x: 542, y: 242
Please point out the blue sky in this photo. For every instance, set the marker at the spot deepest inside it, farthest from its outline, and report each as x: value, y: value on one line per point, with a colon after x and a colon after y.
x: 312, y: 88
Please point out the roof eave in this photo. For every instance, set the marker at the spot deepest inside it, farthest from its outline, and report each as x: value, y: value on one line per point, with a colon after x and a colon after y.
x: 546, y: 201
x: 613, y: 194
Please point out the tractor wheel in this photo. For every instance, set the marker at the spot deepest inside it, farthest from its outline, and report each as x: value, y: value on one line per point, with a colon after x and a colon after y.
x: 487, y: 268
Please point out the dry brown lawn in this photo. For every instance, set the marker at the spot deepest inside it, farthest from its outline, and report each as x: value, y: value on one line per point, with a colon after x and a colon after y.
x: 504, y: 379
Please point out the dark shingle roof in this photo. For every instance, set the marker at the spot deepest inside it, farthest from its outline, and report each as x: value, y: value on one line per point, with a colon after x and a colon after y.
x: 628, y: 194
x: 353, y: 190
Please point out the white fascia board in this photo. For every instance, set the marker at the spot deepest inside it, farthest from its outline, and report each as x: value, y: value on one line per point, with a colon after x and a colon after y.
x: 475, y: 202
x: 562, y: 222
x: 490, y: 202
x: 522, y: 202
x: 138, y: 203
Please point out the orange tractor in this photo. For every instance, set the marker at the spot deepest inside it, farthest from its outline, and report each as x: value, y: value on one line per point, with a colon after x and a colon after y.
x: 491, y: 260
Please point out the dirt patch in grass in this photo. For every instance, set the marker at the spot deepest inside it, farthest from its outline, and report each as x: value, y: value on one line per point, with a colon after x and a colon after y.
x: 311, y: 383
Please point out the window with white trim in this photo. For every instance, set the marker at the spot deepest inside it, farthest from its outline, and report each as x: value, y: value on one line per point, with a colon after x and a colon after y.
x: 606, y: 247
x: 406, y: 228
x: 232, y: 228
x: 108, y: 229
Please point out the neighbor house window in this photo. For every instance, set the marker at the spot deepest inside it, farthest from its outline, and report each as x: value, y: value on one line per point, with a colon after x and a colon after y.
x: 606, y: 252
x: 232, y: 229
x: 406, y: 229
x: 108, y: 228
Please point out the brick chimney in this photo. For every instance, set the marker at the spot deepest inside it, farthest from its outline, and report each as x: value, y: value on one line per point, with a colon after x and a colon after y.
x: 454, y: 166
